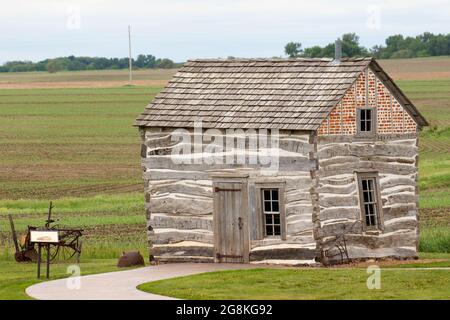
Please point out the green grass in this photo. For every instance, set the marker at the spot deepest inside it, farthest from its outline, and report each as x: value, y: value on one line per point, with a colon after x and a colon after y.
x: 82, y: 222
x: 435, y: 239
x: 432, y: 97
x: 91, y: 76
x: 78, y: 148
x: 117, y: 203
x: 305, y: 284
x: 16, y: 277
x: 70, y: 142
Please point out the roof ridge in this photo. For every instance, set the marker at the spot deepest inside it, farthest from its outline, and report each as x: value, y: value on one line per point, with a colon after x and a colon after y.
x: 348, y: 59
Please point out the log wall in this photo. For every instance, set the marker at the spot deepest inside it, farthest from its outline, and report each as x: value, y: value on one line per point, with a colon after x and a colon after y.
x: 395, y: 160
x: 179, y: 199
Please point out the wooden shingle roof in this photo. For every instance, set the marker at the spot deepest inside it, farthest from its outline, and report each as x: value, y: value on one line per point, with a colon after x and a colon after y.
x: 292, y: 94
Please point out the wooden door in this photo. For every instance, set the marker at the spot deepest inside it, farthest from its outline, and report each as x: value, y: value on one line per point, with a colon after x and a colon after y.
x: 230, y: 217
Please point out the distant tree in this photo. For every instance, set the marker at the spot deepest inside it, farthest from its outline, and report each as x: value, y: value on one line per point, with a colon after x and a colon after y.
x: 164, y: 63
x: 145, y: 61
x: 293, y: 49
x: 351, y: 47
x: 53, y: 66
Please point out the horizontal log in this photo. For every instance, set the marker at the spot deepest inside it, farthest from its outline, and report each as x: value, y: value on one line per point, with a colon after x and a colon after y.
x: 381, y: 167
x: 339, y: 213
x: 329, y: 200
x: 296, y: 209
x: 408, y: 222
x: 162, y: 174
x: 299, y: 226
x: 169, y: 235
x: 159, y: 220
x: 389, y: 181
x: 338, y: 180
x: 306, y: 240
x: 339, y: 228
x: 399, y: 159
x: 385, y: 192
x: 361, y: 253
x: 324, y: 162
x: 399, y: 238
x: 183, y: 259
x: 162, y: 140
x: 387, y: 138
x: 401, y: 198
x: 296, y: 145
x: 366, y: 150
x: 297, y: 195
x: 185, y: 248
x: 281, y: 163
x: 298, y: 182
x: 178, y: 204
x: 399, y: 210
x: 282, y: 252
x: 181, y: 188
x: 340, y: 189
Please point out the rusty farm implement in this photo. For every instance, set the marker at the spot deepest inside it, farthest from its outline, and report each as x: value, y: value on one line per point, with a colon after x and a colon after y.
x: 68, y: 246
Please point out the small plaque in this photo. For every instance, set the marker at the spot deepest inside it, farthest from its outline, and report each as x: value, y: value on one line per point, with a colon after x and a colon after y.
x: 39, y: 236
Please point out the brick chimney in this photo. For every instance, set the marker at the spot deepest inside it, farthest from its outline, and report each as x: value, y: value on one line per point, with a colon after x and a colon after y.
x: 337, y: 51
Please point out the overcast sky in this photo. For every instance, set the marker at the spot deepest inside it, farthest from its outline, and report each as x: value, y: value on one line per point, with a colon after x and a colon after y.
x: 182, y: 29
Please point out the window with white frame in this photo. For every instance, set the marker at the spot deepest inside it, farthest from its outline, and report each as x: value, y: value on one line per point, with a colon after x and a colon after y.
x: 370, y: 200
x: 271, y: 211
x: 366, y: 120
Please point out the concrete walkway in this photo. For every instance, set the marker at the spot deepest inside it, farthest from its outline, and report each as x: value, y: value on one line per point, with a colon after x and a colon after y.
x: 121, y: 285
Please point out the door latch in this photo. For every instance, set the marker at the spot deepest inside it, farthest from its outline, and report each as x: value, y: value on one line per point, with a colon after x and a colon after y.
x: 240, y: 223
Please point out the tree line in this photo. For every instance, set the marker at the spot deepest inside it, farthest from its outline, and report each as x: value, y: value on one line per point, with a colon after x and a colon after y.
x: 397, y: 46
x: 72, y: 63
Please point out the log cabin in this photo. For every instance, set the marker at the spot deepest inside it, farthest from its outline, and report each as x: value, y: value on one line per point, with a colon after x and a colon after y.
x: 290, y: 161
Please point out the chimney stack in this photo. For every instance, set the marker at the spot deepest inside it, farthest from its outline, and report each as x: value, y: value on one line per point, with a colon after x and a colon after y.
x: 337, y: 51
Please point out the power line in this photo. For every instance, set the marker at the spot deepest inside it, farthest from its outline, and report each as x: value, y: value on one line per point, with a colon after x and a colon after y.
x: 129, y: 54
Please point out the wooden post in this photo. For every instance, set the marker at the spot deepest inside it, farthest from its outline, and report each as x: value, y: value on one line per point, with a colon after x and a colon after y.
x: 13, y: 231
x: 39, y: 261
x: 48, y: 260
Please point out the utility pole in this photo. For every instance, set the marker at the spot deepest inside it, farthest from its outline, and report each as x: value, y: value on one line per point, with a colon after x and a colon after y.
x: 129, y: 55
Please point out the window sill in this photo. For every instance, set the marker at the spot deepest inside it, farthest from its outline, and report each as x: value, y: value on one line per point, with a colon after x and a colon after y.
x: 272, y: 237
x: 376, y: 232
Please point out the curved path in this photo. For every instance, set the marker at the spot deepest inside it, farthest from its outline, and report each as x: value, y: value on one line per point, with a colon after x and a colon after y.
x: 121, y: 285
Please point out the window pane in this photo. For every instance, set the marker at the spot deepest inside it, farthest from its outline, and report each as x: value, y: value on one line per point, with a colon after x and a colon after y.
x: 372, y: 220
x: 363, y: 125
x: 365, y: 120
x: 363, y: 115
x: 364, y: 184
x: 267, y: 207
x: 369, y: 196
x: 277, y: 230
x: 369, y: 200
x: 276, y: 219
x: 370, y: 184
x: 274, y: 194
x: 271, y: 207
x: 365, y: 196
x: 367, y: 221
x: 275, y: 207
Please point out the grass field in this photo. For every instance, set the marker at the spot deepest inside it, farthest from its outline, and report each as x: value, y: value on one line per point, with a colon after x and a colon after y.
x: 15, y: 278
x: 68, y: 137
x: 290, y: 284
